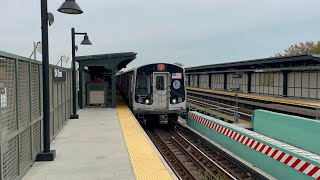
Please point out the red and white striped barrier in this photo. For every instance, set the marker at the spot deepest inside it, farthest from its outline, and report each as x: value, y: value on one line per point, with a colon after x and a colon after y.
x: 291, y: 161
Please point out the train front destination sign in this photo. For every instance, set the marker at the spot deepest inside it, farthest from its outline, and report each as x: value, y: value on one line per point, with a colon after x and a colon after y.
x: 59, y: 75
x: 161, y: 67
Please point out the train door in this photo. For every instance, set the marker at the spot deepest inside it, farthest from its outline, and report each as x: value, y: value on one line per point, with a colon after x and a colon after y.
x: 160, y: 90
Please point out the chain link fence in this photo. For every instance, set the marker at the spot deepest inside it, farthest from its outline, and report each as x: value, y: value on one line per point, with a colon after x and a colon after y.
x: 21, y: 112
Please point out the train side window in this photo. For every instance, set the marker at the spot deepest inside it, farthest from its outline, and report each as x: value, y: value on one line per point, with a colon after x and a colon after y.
x: 131, y: 84
x: 160, y: 83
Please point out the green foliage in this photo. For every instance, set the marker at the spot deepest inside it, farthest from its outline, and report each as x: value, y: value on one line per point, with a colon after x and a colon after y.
x: 309, y: 47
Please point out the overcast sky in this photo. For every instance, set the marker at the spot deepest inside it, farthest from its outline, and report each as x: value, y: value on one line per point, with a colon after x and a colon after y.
x: 194, y: 32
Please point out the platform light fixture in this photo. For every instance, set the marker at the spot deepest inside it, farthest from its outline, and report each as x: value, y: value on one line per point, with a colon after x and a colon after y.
x: 68, y: 7
x: 85, y: 41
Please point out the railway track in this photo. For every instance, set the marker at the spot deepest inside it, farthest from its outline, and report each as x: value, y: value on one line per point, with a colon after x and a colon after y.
x: 192, y: 159
x: 216, y: 108
x: 247, y: 105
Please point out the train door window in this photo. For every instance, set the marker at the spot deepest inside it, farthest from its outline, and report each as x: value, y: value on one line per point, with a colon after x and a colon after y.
x: 160, y: 83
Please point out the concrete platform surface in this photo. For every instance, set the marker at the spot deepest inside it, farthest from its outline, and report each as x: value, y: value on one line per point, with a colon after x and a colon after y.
x: 91, y: 147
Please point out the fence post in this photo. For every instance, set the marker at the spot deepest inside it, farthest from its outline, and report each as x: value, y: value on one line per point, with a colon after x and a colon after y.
x: 218, y: 113
x: 30, y: 109
x: 17, y: 113
x: 236, y: 109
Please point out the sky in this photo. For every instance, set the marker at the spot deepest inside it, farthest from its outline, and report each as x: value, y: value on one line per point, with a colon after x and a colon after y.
x: 193, y: 32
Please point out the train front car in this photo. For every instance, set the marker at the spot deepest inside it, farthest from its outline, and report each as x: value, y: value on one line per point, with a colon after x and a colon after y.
x: 160, y: 95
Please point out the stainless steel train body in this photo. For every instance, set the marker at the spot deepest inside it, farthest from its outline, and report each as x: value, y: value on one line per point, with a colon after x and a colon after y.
x: 155, y: 92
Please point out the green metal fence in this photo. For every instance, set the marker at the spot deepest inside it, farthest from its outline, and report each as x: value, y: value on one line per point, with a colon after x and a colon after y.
x: 21, y: 112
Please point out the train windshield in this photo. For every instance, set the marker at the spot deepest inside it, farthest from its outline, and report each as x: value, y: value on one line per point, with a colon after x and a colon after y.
x: 143, y: 85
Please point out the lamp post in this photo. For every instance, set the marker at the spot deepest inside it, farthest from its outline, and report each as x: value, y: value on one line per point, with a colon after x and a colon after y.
x: 69, y: 7
x: 85, y: 41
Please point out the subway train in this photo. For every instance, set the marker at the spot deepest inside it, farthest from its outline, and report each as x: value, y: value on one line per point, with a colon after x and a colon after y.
x: 155, y: 93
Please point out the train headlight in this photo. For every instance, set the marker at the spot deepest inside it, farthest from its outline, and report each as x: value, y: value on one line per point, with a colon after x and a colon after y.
x: 140, y: 100
x: 147, y: 101
x: 174, y: 101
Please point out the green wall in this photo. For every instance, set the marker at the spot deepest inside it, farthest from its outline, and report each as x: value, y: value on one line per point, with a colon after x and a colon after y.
x: 269, y: 165
x: 300, y: 132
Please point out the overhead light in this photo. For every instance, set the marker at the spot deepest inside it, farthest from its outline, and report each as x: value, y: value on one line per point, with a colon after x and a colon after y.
x: 70, y: 7
x: 86, y: 41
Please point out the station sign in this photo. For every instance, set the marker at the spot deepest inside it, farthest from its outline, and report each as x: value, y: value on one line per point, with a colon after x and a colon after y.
x: 59, y: 75
x: 237, y: 75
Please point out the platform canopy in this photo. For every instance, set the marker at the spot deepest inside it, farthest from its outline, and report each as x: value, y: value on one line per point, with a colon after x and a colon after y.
x: 103, y: 64
x: 115, y: 61
x: 272, y: 64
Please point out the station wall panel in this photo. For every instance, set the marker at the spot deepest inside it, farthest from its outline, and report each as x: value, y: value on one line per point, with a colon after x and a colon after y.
x: 187, y: 80
x: 217, y: 81
x: 237, y: 81
x: 204, y: 81
x: 304, y: 84
x: 194, y: 80
x: 267, y: 83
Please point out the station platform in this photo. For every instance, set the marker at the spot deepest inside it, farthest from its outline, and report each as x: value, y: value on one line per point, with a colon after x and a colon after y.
x: 102, y: 144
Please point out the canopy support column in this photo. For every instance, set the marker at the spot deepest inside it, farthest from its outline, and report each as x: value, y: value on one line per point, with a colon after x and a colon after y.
x: 113, y: 88
x: 81, y: 87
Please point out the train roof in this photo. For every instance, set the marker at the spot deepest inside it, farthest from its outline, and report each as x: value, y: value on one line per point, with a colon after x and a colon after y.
x: 119, y: 73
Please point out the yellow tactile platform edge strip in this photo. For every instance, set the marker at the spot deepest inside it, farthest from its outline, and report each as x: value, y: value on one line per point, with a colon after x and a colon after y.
x: 144, y: 161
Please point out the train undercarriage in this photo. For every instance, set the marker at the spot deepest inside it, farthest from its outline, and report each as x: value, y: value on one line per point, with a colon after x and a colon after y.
x: 153, y: 120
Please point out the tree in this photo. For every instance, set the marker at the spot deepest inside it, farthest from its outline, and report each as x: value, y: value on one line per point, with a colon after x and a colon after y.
x: 178, y: 64
x: 309, y: 47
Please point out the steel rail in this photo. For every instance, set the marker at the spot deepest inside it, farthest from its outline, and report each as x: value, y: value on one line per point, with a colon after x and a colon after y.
x: 177, y: 161
x: 215, y: 173
x: 208, y: 158
x: 274, y: 106
x: 236, y: 115
x: 228, y: 109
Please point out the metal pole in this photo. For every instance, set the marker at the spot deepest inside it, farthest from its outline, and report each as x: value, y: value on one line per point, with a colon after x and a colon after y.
x: 81, y: 87
x: 236, y: 109
x: 35, y: 50
x: 45, y: 70
x: 74, y: 114
x: 46, y: 154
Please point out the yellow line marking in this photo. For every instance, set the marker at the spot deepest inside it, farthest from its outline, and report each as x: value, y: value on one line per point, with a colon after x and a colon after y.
x: 145, y: 163
x: 264, y: 98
